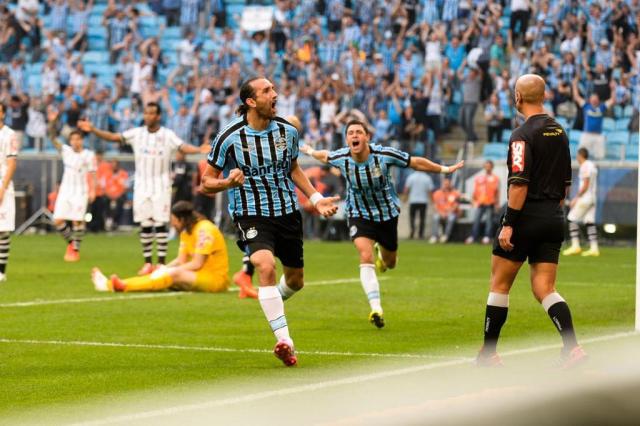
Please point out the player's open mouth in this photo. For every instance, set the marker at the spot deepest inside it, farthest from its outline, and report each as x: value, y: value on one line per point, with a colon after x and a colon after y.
x: 355, y: 143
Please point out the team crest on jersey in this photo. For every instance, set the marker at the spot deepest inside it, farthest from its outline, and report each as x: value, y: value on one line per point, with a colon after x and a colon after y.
x: 281, y: 143
x: 517, y: 156
x: 353, y: 231
x: 376, y: 172
x: 252, y: 233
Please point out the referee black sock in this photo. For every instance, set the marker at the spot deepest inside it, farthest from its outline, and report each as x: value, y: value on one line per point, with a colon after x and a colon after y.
x: 146, y: 239
x: 560, y: 315
x: 494, y: 319
x: 4, y: 251
x: 162, y: 241
x: 65, y: 230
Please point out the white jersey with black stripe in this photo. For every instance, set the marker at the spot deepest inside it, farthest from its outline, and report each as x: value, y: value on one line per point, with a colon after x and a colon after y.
x: 8, y: 148
x: 76, y: 166
x: 153, y: 152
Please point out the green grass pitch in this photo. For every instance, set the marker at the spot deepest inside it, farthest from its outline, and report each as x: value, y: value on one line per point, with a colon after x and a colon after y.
x: 434, y: 304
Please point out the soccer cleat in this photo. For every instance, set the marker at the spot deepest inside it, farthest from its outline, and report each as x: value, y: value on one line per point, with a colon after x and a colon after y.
x: 433, y: 239
x: 376, y: 318
x: 444, y: 239
x: 486, y: 240
x: 469, y: 240
x: 573, y: 358
x: 3, y: 277
x: 71, y: 255
x: 591, y: 253
x: 243, y: 280
x: 284, y: 352
x: 380, y: 266
x: 571, y: 251
x: 100, y: 282
x: 146, y: 269
x: 490, y: 360
x: 117, y: 284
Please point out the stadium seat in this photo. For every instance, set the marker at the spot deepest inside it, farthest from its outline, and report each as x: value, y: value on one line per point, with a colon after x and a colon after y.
x: 95, y: 57
x: 97, y: 42
x: 172, y: 33
x: 631, y: 152
x: 618, y: 111
x: 575, y: 135
x: 495, y: 151
x: 621, y: 136
x: 419, y: 150
x: 506, y: 136
x: 573, y: 149
x: 623, y: 123
x: 628, y: 111
x: 609, y: 124
x: 97, y: 31
x: 634, y: 139
x: 95, y: 21
x: 613, y: 151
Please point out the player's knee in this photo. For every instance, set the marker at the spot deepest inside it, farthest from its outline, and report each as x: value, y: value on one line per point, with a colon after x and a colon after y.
x: 366, y: 256
x: 541, y: 292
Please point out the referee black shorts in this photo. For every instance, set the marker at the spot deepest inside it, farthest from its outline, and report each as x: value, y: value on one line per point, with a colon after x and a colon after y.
x: 281, y: 235
x: 538, y: 234
x: 384, y: 233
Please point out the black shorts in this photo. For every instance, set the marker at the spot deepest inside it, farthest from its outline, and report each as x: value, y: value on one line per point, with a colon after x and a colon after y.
x: 538, y: 234
x: 280, y: 235
x: 384, y: 233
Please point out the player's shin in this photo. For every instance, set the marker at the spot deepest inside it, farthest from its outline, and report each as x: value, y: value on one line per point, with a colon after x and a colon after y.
x: 574, y: 233
x: 77, y: 235
x: 494, y: 319
x: 146, y: 240
x: 273, y: 308
x: 371, y: 286
x: 65, y: 230
x: 162, y: 241
x: 560, y: 315
x: 4, y: 251
x: 592, y: 234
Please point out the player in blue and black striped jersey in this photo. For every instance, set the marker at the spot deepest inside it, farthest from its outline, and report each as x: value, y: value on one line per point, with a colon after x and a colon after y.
x: 255, y: 158
x: 373, y: 206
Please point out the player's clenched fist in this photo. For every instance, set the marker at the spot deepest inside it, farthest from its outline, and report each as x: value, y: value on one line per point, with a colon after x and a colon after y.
x: 235, y: 178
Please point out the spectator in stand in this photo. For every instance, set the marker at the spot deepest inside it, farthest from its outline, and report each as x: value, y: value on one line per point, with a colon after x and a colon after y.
x: 171, y: 9
x: 486, y: 196
x: 80, y: 11
x: 471, y: 81
x: 446, y: 201
x: 593, y: 111
x: 494, y: 116
x: 418, y: 189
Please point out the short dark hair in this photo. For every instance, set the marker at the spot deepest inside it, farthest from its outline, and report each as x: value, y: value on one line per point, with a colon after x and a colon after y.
x: 156, y: 105
x: 584, y: 152
x: 185, y: 212
x: 356, y: 123
x: 76, y: 132
x: 246, y: 91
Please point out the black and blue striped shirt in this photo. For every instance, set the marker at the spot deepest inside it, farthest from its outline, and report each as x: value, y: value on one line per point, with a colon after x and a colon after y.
x: 265, y: 158
x: 370, y: 191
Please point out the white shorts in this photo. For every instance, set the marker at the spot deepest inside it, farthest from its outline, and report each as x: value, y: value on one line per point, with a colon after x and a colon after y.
x: 594, y: 142
x: 70, y: 208
x: 155, y: 207
x: 8, y: 212
x: 584, y: 211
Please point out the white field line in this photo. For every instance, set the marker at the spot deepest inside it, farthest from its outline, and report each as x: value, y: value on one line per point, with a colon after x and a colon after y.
x: 39, y: 302
x: 217, y: 349
x: 128, y: 418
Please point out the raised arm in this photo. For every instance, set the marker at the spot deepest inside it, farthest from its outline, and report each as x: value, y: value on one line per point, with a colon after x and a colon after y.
x: 425, y: 165
x: 86, y: 126
x: 321, y: 155
x: 576, y: 94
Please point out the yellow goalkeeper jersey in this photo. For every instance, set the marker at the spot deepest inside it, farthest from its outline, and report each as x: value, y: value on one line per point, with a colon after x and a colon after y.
x: 205, y: 238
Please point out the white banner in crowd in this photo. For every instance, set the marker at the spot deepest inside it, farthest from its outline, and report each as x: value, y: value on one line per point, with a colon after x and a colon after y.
x: 256, y: 18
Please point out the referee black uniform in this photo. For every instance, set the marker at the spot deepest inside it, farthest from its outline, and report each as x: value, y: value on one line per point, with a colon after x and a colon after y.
x: 538, y: 157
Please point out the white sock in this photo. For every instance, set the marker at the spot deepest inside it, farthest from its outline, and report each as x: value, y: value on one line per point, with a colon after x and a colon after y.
x: 285, y: 291
x: 370, y: 285
x: 273, y: 308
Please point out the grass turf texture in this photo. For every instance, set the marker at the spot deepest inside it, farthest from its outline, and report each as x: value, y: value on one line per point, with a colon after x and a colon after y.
x: 434, y: 305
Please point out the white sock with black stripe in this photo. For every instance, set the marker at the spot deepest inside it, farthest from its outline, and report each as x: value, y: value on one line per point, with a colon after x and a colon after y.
x: 146, y: 239
x: 162, y: 241
x: 4, y: 251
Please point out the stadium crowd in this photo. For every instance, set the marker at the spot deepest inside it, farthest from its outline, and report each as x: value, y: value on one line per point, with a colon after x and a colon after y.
x: 413, y: 69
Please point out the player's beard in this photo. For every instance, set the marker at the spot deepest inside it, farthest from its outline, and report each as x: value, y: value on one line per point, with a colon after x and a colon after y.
x: 266, y: 111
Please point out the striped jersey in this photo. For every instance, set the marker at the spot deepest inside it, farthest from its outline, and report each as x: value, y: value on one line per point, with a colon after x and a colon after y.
x: 76, y: 167
x: 8, y: 149
x: 153, y: 152
x: 370, y: 191
x: 265, y: 159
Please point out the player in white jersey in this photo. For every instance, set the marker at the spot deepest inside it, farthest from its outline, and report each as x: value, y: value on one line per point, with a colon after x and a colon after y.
x: 76, y: 191
x: 583, y: 208
x: 154, y: 147
x: 8, y: 153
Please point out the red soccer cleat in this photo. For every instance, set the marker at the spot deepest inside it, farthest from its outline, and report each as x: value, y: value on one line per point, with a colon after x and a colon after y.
x: 573, y: 358
x: 489, y: 360
x: 285, y: 353
x: 146, y: 269
x: 117, y: 284
x: 71, y: 255
x: 243, y: 280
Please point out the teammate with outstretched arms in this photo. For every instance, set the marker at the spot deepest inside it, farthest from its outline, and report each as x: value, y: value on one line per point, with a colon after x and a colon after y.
x: 154, y: 147
x: 373, y: 206
x: 255, y: 158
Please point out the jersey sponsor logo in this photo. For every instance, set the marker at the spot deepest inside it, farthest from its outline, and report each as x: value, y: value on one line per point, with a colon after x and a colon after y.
x: 517, y: 156
x: 283, y: 165
x: 554, y: 132
x: 252, y: 233
x: 281, y: 143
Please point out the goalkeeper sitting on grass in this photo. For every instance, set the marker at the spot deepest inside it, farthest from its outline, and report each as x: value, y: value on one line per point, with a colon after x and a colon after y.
x: 202, y: 263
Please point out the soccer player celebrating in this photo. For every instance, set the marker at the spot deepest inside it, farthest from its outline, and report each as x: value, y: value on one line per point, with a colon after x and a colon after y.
x: 202, y: 263
x: 373, y: 206
x: 76, y: 191
x: 8, y: 154
x: 255, y: 158
x: 583, y: 207
x: 533, y: 226
x: 153, y: 149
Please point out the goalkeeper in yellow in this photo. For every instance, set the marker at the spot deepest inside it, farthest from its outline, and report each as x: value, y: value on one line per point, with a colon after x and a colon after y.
x: 202, y: 263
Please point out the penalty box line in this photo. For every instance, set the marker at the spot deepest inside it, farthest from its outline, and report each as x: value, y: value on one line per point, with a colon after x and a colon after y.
x: 295, y: 390
x: 115, y: 298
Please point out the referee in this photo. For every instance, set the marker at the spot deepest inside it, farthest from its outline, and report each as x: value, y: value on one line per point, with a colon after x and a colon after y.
x: 533, y: 226
x: 256, y: 158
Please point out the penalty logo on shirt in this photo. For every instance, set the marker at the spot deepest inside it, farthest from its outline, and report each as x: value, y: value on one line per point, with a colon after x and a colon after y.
x: 252, y: 233
x: 281, y: 143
